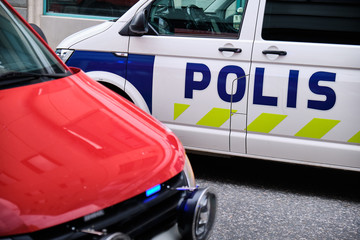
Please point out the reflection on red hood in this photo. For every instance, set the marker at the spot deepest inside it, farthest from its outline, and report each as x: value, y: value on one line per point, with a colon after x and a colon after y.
x: 70, y: 147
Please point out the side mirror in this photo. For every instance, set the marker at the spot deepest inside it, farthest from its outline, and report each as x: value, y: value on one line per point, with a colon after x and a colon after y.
x: 39, y: 31
x: 139, y: 24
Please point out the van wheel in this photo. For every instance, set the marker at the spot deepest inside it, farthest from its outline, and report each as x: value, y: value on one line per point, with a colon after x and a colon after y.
x: 117, y: 90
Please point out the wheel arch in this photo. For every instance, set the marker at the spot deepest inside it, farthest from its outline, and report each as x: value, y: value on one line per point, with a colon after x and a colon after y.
x: 122, y: 87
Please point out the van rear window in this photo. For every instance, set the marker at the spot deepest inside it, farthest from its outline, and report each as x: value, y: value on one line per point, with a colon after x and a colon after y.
x: 318, y: 21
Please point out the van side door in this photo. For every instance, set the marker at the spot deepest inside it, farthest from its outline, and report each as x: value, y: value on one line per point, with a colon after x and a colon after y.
x: 195, y: 51
x: 305, y: 82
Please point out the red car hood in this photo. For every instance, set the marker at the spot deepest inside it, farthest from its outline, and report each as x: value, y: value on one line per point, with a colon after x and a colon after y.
x: 70, y: 147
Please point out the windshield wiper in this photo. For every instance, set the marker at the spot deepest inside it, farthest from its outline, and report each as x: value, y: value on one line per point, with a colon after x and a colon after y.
x: 14, y: 75
x: 13, y: 79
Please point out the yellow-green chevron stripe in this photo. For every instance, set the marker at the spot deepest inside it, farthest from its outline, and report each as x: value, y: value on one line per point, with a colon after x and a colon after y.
x: 265, y: 122
x: 355, y: 138
x: 179, y: 109
x: 216, y: 117
x: 317, y: 128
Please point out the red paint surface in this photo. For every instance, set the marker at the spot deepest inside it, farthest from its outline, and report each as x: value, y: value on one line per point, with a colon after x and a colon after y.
x: 70, y: 147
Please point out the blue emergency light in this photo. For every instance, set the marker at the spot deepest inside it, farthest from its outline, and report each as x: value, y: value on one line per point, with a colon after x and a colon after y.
x: 153, y: 190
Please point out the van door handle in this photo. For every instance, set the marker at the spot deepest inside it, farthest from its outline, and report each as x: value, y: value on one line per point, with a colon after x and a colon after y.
x: 225, y: 49
x: 280, y: 53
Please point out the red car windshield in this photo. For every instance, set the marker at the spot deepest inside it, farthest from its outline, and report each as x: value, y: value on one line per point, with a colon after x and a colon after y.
x: 23, y: 57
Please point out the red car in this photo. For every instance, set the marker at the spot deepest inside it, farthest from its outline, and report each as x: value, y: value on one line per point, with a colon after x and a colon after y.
x: 77, y: 161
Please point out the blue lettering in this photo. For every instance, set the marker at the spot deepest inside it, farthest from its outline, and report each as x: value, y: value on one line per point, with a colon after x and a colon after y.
x: 190, y: 83
x: 322, y: 90
x: 258, y: 90
x: 241, y: 84
x: 238, y: 94
x: 292, y: 88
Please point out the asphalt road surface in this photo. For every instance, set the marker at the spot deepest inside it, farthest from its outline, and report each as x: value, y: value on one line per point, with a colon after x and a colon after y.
x: 260, y: 199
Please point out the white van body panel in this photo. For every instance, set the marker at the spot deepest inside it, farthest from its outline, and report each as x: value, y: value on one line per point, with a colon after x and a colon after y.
x: 70, y: 41
x: 113, y: 42
x: 306, y: 59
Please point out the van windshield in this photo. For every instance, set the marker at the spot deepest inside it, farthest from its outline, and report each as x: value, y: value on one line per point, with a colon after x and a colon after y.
x: 23, y: 58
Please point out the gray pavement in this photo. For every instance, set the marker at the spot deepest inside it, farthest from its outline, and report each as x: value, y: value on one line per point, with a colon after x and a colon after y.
x: 269, y: 200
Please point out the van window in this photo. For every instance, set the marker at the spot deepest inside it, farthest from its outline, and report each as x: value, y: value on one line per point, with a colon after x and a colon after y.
x: 318, y: 21
x: 217, y: 18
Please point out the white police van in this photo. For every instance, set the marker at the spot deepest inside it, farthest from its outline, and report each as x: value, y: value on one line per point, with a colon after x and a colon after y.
x: 270, y: 79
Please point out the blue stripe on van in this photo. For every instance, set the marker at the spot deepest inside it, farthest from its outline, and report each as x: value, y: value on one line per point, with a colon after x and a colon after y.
x: 98, y: 61
x: 140, y: 74
x: 137, y: 69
